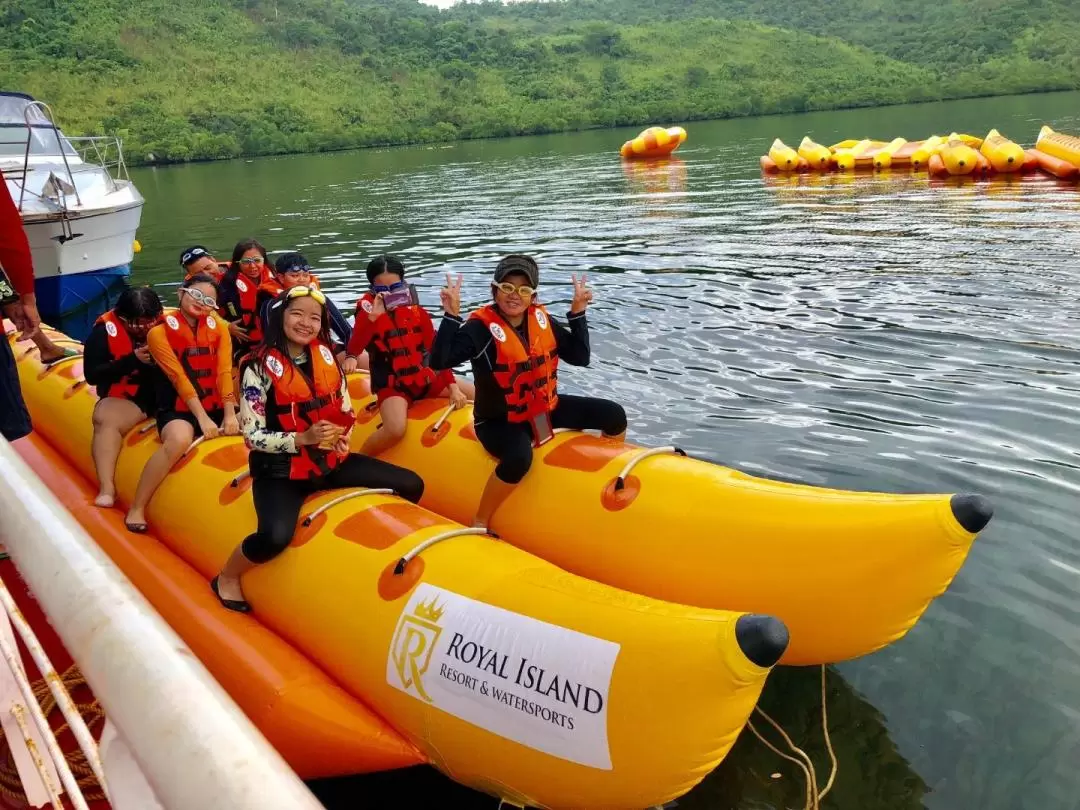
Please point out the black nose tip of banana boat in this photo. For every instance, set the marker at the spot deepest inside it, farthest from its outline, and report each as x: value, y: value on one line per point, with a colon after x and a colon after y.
x: 762, y: 639
x: 972, y: 512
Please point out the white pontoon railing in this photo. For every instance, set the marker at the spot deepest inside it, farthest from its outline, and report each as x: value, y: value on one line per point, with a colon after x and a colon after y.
x: 194, y: 746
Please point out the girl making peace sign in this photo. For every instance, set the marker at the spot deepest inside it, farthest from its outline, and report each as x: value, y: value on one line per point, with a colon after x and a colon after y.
x: 515, y: 347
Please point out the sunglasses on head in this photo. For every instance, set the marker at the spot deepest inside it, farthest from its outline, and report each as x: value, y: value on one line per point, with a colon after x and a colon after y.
x: 200, y: 297
x: 252, y: 260
x: 192, y: 255
x: 302, y: 291
x: 524, y: 290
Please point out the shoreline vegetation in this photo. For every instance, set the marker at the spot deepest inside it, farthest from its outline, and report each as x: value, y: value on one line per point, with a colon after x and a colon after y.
x: 215, y: 79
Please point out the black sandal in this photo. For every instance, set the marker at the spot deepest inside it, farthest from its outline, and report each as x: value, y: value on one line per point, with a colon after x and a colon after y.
x: 136, y: 528
x: 239, y: 605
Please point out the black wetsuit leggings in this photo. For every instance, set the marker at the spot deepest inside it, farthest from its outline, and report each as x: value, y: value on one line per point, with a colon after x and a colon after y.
x: 512, y: 442
x: 278, y: 501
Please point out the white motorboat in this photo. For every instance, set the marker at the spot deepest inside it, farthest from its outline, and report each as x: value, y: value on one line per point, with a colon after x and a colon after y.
x: 80, y: 210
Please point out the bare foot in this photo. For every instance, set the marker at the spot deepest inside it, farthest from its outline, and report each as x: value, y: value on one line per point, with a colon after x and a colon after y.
x: 229, y: 588
x: 105, y: 501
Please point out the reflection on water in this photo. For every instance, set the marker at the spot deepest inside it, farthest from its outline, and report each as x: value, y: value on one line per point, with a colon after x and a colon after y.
x: 881, y: 332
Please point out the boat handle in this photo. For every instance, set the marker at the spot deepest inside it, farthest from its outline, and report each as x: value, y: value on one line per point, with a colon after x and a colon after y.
x: 399, y: 569
x: 442, y: 419
x: 147, y: 427
x: 341, y: 499
x: 236, y: 481
x: 645, y: 453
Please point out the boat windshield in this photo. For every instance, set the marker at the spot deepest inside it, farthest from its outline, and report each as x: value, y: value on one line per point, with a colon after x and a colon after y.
x: 13, y: 129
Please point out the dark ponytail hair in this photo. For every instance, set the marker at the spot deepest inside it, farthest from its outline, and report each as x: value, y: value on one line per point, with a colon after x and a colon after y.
x: 385, y: 264
x: 138, y: 302
x: 243, y: 247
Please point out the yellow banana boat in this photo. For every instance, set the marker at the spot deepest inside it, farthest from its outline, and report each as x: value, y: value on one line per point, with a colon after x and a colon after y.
x: 1004, y: 155
x: 847, y: 157
x: 1059, y: 145
x: 959, y: 158
x: 785, y: 158
x: 817, y: 156
x: 920, y: 158
x: 510, y: 675
x: 697, y: 533
x: 883, y: 157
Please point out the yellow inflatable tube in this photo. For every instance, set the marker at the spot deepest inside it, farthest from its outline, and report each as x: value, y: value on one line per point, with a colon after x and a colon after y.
x: 510, y: 675
x: 883, y: 157
x: 958, y: 157
x: 1059, y: 145
x: 846, y: 157
x: 1004, y: 155
x: 785, y: 158
x: 817, y: 156
x: 848, y: 572
x: 920, y: 158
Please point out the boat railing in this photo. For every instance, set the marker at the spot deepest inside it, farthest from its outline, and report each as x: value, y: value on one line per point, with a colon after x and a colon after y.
x: 46, y: 111
x: 173, y: 739
x: 106, y: 151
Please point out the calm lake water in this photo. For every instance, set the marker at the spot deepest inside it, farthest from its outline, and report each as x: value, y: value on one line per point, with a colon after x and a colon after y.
x: 871, y: 332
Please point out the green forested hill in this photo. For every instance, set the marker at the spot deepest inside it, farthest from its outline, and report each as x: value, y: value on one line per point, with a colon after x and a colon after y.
x: 188, y: 79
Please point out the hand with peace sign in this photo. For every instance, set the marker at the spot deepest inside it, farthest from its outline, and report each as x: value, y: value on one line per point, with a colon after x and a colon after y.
x: 582, y: 294
x: 450, y: 296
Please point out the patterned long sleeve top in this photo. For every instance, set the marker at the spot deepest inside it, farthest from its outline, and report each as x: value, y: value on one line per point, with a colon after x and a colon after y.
x: 256, y: 387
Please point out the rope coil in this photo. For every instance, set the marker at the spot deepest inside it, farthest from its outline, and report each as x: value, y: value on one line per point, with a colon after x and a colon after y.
x: 92, y: 713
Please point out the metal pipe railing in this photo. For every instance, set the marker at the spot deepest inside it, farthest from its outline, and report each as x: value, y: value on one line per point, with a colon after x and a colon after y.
x: 194, y: 745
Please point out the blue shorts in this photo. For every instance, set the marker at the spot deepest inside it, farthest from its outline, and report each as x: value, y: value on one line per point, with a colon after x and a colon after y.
x: 14, y: 418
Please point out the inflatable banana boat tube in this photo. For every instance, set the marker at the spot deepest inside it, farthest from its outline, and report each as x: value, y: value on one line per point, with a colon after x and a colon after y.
x: 697, y: 533
x: 654, y: 142
x: 510, y: 675
x: 1059, y: 145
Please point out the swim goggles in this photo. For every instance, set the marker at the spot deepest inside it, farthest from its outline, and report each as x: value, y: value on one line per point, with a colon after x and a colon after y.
x: 200, y: 298
x: 297, y: 270
x: 525, y: 291
x: 254, y: 260
x: 301, y: 291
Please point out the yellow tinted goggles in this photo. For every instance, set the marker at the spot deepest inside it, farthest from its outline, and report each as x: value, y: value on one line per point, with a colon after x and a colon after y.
x: 525, y: 291
x: 303, y: 290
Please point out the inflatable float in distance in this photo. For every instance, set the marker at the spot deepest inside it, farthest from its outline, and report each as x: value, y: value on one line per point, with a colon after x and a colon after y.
x: 684, y: 530
x: 958, y: 157
x: 654, y: 142
x: 508, y: 674
x: 1005, y: 156
x: 1058, y: 167
x: 1059, y: 145
x: 817, y: 157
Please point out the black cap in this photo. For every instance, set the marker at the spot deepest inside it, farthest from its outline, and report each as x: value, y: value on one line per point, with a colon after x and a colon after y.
x: 517, y: 263
x: 193, y: 253
x: 287, y: 262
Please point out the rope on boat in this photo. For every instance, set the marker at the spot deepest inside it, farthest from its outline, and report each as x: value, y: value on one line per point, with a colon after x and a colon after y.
x: 92, y: 713
x: 341, y: 499
x: 801, y: 758
x: 399, y: 569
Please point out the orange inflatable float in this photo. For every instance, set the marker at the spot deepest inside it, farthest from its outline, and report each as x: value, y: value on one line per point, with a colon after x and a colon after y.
x: 654, y: 142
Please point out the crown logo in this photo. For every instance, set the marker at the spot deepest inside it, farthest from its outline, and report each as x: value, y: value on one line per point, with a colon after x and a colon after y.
x: 430, y: 610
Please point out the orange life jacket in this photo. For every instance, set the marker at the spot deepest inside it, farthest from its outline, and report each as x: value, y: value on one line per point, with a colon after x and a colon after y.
x: 120, y: 345
x: 247, y: 293
x: 399, y: 335
x: 197, y: 353
x: 527, y: 376
x: 299, y: 402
